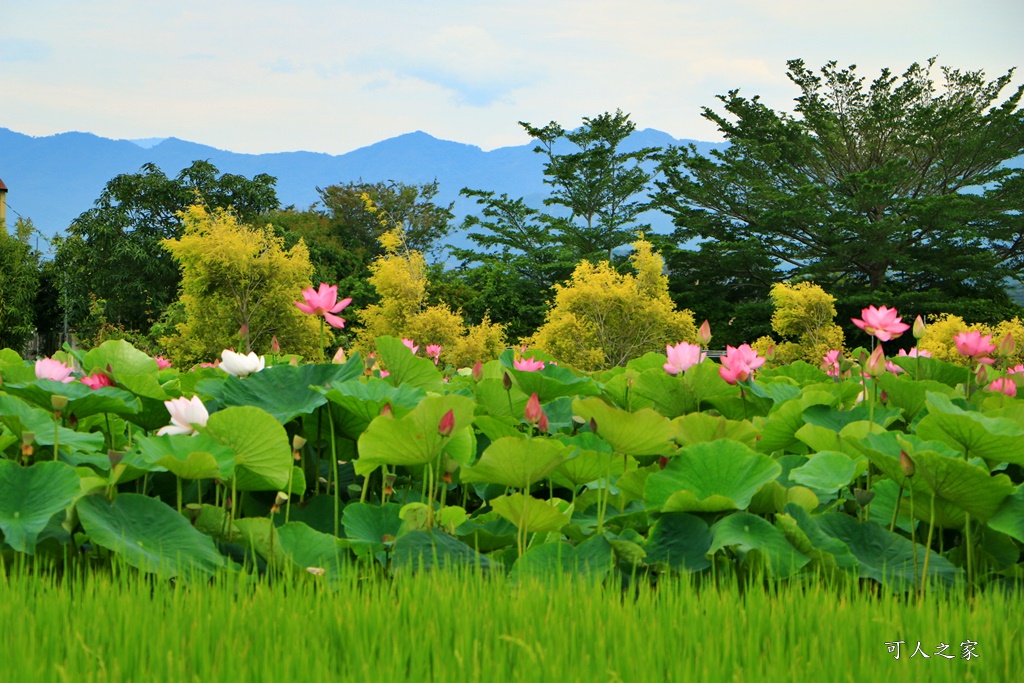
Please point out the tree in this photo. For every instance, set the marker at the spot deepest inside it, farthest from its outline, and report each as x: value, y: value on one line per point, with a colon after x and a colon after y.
x: 236, y: 276
x: 896, y: 188
x: 19, y: 279
x: 113, y: 250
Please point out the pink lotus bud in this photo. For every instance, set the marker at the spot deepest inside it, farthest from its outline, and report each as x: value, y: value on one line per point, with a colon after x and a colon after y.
x: 593, y: 425
x: 906, y: 464
x: 275, y: 347
x: 447, y: 424
x: 542, y: 423
x: 704, y: 334
x: 981, y: 376
x: 478, y: 371
x: 386, y: 411
x: 339, y: 356
x: 243, y: 331
x: 533, y: 410
x: 1007, y: 346
x: 506, y: 382
x: 875, y: 365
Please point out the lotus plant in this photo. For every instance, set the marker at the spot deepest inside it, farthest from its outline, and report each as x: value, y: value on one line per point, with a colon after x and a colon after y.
x: 528, y: 364
x: 161, y: 362
x: 681, y: 357
x: 49, y: 368
x: 186, y: 414
x: 830, y: 363
x: 241, y: 365
x: 97, y: 380
x: 882, y: 323
x: 1004, y: 385
x: 975, y: 346
x: 411, y: 345
x: 739, y: 363
x: 324, y: 302
x: 434, y: 352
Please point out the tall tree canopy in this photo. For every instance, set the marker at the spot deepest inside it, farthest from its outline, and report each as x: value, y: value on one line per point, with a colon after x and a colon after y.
x: 899, y: 187
x: 113, y: 251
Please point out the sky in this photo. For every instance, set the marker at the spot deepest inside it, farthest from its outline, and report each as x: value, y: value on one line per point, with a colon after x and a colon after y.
x: 331, y: 76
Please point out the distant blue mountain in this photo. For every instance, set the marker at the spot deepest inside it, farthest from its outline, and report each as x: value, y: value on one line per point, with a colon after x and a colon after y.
x: 53, y: 179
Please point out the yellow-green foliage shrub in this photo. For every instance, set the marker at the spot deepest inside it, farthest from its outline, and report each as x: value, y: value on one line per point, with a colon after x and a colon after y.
x: 235, y: 275
x: 601, y: 318
x: 400, y: 279
x: 939, y: 333
x: 804, y: 315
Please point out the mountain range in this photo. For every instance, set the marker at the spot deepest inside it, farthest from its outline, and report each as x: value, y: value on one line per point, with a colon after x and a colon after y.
x: 54, y: 179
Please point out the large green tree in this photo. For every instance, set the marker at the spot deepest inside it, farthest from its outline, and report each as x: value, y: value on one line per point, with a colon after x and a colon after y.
x: 894, y: 190
x: 19, y: 279
x: 113, y: 251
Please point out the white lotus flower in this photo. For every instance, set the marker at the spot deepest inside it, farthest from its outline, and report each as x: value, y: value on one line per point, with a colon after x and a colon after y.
x: 241, y: 366
x: 185, y: 413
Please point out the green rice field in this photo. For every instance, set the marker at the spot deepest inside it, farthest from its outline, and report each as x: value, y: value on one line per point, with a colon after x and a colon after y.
x: 446, y: 626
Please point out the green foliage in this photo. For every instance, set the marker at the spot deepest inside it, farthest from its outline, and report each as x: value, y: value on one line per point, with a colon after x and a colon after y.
x: 896, y: 186
x: 235, y: 276
x: 114, y: 252
x: 19, y: 280
x: 804, y: 314
x: 602, y: 319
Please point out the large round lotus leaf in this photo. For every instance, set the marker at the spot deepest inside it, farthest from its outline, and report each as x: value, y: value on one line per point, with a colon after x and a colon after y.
x: 516, y: 462
x: 494, y: 429
x: 257, y: 534
x: 263, y: 454
x: 958, y: 483
x: 405, y: 368
x: 550, y: 383
x: 710, y: 477
x: 82, y: 401
x: 801, y: 530
x: 428, y: 550
x: 932, y: 369
x: 30, y: 496
x: 506, y: 406
x: 1009, y: 518
x: 680, y: 541
x: 620, y: 390
x: 285, y: 391
x: 643, y: 432
x: 749, y: 532
x: 665, y: 393
x: 706, y: 383
x: 801, y: 372
x: 149, y: 535
x: 119, y: 357
x: 369, y: 527
x: 701, y: 427
x: 778, y: 431
x: 828, y: 471
x: 308, y: 548
x: 836, y: 420
x: 908, y: 394
x: 995, y: 439
x: 587, y: 466
x: 592, y: 559
x: 824, y: 439
x: 884, y: 556
x: 413, y: 439
x: 188, y: 457
x: 530, y: 514
x: 20, y: 418
x: 487, y: 532
x: 357, y: 403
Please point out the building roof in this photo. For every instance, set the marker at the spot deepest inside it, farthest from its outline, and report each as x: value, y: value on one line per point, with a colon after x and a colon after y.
x: 3, y: 188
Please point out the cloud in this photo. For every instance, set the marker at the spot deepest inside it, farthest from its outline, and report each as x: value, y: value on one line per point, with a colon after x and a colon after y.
x: 20, y: 50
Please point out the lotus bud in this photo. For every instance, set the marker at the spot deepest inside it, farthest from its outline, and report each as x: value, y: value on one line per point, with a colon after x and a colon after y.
x: 506, y: 382
x: 59, y: 402
x: 478, y: 371
x: 769, y: 353
x: 275, y: 347
x: 542, y: 423
x: 875, y: 365
x: 919, y: 328
x: 339, y: 356
x: 243, y: 331
x: 704, y: 334
x: 593, y: 425
x: 662, y: 461
x: 1007, y: 346
x: 294, y: 362
x: 115, y: 458
x: 447, y: 424
x: 981, y: 376
x: 906, y: 464
x: 386, y: 411
x: 533, y: 411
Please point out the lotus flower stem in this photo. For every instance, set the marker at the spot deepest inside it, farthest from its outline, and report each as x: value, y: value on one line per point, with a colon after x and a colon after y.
x: 928, y: 547
x: 970, y: 552
x: 334, y: 462
x: 178, y: 487
x: 896, y: 508
x: 913, y: 530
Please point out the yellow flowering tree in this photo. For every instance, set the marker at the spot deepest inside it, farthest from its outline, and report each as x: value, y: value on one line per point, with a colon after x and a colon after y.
x: 602, y: 318
x: 804, y: 319
x: 237, y: 277
x: 940, y: 330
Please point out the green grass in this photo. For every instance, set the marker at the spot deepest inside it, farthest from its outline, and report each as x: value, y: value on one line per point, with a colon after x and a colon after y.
x: 449, y: 628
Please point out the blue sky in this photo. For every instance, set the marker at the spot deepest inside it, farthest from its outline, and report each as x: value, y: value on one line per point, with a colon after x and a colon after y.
x: 331, y: 76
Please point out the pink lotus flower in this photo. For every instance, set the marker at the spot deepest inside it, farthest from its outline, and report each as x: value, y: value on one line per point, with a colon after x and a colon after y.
x: 739, y: 363
x: 411, y: 345
x: 48, y: 368
x: 974, y: 345
x: 434, y: 351
x: 1016, y: 370
x: 97, y: 380
x: 830, y: 363
x: 161, y: 362
x: 533, y: 411
x: 704, y: 334
x: 185, y: 414
x: 528, y: 364
x: 916, y: 353
x: 1004, y: 385
x: 875, y: 365
x: 384, y: 373
x: 893, y: 368
x: 883, y: 323
x: 324, y: 302
x: 682, y: 356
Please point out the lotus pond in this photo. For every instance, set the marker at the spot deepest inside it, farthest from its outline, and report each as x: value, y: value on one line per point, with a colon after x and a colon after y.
x: 885, y: 494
